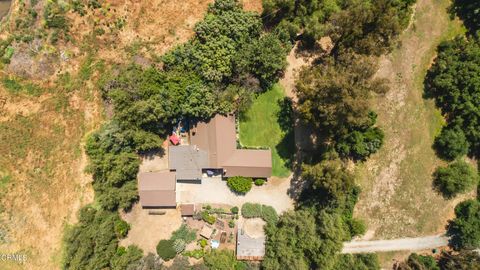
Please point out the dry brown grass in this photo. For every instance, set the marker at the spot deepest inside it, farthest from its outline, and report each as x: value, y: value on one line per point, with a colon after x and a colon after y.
x: 42, y: 179
x: 397, y: 198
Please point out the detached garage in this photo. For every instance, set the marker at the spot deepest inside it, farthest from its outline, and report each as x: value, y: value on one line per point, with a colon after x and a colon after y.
x: 157, y: 189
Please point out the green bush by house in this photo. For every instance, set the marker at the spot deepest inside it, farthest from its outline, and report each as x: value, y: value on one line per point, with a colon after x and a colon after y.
x: 239, y: 184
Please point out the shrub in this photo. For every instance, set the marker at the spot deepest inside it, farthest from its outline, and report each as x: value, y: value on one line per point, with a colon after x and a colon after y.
x: 203, y: 243
x: 185, y: 234
x: 239, y: 184
x: 121, y: 228
x: 357, y: 227
x: 255, y: 210
x: 208, y: 218
x: 179, y: 245
x: 234, y: 210
x: 231, y: 224
x: 197, y: 253
x: 259, y: 182
x: 457, y: 177
x: 165, y: 250
x: 451, y: 143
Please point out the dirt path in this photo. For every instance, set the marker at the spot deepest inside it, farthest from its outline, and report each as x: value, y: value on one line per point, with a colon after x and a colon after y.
x: 397, y: 199
x: 411, y: 244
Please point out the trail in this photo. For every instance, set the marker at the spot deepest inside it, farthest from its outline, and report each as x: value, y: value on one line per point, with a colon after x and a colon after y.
x: 411, y: 244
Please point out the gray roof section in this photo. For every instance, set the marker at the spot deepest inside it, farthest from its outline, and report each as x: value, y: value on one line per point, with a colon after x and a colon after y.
x: 249, y: 248
x: 188, y: 161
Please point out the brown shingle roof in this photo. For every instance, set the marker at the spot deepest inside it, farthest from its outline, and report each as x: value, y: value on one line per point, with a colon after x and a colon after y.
x: 218, y: 138
x: 157, y: 189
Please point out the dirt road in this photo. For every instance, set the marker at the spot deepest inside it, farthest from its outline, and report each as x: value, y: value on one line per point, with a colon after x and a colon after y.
x: 417, y: 243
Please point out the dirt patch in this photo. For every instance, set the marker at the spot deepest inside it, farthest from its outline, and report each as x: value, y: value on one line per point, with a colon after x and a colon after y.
x: 397, y: 198
x: 147, y: 230
x: 253, y: 227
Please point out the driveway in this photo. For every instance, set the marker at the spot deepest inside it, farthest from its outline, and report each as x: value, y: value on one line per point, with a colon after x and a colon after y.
x: 214, y: 190
x: 417, y: 243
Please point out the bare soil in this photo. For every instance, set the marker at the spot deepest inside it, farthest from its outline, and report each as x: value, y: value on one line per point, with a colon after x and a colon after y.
x: 146, y: 230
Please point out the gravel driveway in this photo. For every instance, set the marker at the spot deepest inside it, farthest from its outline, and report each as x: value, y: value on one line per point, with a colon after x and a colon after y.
x: 214, y: 190
x: 417, y: 243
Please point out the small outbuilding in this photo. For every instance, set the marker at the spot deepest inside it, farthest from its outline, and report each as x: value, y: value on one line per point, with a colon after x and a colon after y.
x: 187, y: 210
x: 206, y: 232
x: 249, y: 248
x: 157, y: 189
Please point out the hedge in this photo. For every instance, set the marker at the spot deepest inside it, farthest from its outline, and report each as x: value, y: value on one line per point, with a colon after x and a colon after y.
x: 255, y: 210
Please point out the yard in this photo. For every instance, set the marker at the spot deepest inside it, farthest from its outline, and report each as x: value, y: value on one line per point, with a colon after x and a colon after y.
x: 267, y: 123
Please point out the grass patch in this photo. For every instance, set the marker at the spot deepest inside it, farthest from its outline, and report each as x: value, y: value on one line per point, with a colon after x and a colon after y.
x: 267, y: 123
x: 15, y: 87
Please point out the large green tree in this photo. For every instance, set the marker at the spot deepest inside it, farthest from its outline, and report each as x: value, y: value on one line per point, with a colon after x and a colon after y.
x: 464, y: 230
x: 454, y: 82
x: 93, y: 243
x: 304, y: 239
x: 468, y: 11
x: 451, y: 143
x: 457, y: 177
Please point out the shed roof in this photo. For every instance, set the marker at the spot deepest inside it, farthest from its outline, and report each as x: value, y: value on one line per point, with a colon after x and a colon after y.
x: 162, y: 180
x: 187, y: 209
x: 157, y: 189
x: 206, y: 231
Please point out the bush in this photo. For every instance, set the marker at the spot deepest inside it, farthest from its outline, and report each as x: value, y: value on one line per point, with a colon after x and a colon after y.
x: 203, y: 243
x: 231, y: 224
x: 357, y: 227
x: 255, y: 210
x: 121, y: 228
x: 457, y: 177
x: 259, y: 182
x: 179, y: 245
x: 197, y: 253
x: 234, y: 210
x: 208, y: 218
x: 185, y: 234
x: 166, y: 250
x: 239, y: 184
x: 451, y: 143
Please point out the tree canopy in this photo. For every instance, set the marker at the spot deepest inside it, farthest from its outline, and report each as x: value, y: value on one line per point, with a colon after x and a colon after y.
x: 454, y: 82
x: 463, y: 230
x: 451, y: 143
x: 93, y: 243
x: 457, y: 177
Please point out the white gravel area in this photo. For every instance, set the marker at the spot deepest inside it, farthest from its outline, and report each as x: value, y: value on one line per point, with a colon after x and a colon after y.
x: 214, y: 190
x: 412, y: 244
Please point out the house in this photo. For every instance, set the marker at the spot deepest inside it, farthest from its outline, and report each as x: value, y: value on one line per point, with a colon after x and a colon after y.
x: 211, y: 146
x: 249, y: 248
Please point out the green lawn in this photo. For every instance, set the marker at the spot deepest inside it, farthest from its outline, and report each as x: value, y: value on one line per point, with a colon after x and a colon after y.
x: 266, y: 124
